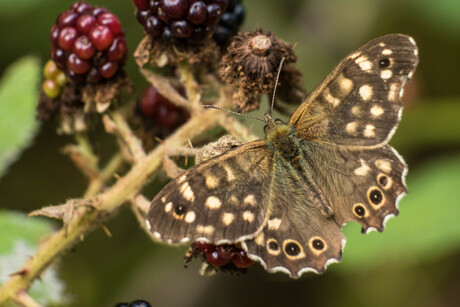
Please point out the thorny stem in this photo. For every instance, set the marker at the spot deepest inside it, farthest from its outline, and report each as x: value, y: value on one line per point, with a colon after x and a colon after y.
x: 85, y: 219
x: 191, y: 86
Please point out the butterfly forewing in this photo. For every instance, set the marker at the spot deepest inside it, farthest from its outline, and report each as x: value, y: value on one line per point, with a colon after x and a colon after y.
x: 358, y: 104
x: 224, y: 199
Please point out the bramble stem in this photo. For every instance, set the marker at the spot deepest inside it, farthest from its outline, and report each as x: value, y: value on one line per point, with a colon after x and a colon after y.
x: 86, y: 219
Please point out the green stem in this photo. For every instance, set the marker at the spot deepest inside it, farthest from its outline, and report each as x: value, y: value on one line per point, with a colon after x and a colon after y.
x: 86, y: 219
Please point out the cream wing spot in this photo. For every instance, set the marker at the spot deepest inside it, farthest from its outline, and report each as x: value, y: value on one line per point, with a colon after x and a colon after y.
x: 346, y: 85
x: 181, y: 179
x: 386, y: 74
x: 213, y: 202
x: 330, y: 99
x: 383, y: 165
x: 250, y: 200
x: 351, y: 128
x: 211, y: 182
x: 230, y: 173
x: 248, y: 216
x: 168, y: 207
x: 387, y: 52
x: 356, y: 110
x: 163, y: 199
x: 366, y: 92
x: 148, y: 225
x: 187, y: 192
x: 274, y: 224
x: 369, y: 131
x: 190, y: 217
x: 354, y: 55
x: 393, y: 92
x: 227, y: 218
x: 364, y: 63
x: 260, y: 239
x: 209, y: 229
x: 363, y: 170
x: 233, y: 200
x: 377, y: 111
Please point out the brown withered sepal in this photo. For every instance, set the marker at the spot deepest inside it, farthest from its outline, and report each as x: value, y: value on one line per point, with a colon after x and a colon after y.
x: 251, y: 65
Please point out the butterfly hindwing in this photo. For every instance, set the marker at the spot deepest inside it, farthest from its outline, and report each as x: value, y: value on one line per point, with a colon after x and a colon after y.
x: 221, y: 200
x: 358, y: 104
x: 297, y: 236
x: 364, y: 185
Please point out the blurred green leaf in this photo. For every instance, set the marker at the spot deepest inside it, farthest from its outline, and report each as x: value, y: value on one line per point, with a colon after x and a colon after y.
x: 427, y: 227
x: 430, y: 123
x: 18, y: 6
x: 442, y: 14
x: 18, y: 99
x: 19, y: 240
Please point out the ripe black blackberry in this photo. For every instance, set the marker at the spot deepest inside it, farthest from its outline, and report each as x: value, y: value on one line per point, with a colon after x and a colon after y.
x: 182, y: 20
x: 88, y: 43
x: 229, y: 23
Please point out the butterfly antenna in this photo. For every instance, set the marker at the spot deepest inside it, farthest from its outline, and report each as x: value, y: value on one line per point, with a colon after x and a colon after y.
x: 276, y: 84
x: 207, y: 106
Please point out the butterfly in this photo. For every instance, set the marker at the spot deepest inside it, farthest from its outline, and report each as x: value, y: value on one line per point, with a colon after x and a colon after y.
x: 285, y: 198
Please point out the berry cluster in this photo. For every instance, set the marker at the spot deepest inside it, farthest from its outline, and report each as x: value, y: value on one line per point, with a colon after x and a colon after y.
x: 88, y: 43
x: 176, y: 20
x: 220, y: 255
x: 156, y: 107
x: 54, y: 80
x: 136, y: 303
x: 230, y: 22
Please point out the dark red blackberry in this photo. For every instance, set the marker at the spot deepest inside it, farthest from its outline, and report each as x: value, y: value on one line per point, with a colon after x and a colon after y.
x: 180, y: 20
x: 230, y: 22
x: 221, y: 255
x: 156, y: 107
x: 88, y: 43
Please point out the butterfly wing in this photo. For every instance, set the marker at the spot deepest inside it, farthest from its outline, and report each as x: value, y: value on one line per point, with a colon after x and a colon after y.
x: 358, y: 104
x: 297, y: 237
x: 363, y: 185
x: 224, y: 199
x: 345, y: 125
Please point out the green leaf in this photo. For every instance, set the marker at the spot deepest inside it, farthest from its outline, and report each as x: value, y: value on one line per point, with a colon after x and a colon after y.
x: 427, y: 227
x: 16, y: 7
x: 19, y: 240
x: 18, y: 99
x: 442, y: 118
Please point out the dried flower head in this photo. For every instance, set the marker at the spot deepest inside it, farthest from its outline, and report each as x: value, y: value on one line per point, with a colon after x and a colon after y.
x: 251, y: 65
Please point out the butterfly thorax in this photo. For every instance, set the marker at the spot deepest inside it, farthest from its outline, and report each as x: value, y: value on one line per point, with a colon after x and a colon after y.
x: 281, y: 138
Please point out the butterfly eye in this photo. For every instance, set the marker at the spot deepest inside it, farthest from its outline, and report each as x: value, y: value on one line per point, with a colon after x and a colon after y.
x: 385, y: 62
x: 376, y: 197
x: 293, y: 250
x: 359, y: 210
x: 384, y: 181
x: 318, y: 244
x: 180, y: 210
x: 273, y: 247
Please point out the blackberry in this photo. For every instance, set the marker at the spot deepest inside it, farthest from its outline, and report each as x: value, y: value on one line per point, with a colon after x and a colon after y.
x: 160, y: 110
x: 229, y: 23
x: 221, y: 255
x: 180, y: 20
x: 88, y: 43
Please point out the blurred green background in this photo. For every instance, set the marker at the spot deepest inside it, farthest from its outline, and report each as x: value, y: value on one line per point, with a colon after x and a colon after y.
x: 415, y: 262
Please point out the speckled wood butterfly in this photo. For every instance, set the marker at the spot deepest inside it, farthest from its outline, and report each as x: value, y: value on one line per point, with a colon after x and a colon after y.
x: 285, y: 198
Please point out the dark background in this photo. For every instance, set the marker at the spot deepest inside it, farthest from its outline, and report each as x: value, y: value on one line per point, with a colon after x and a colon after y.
x: 414, y: 262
